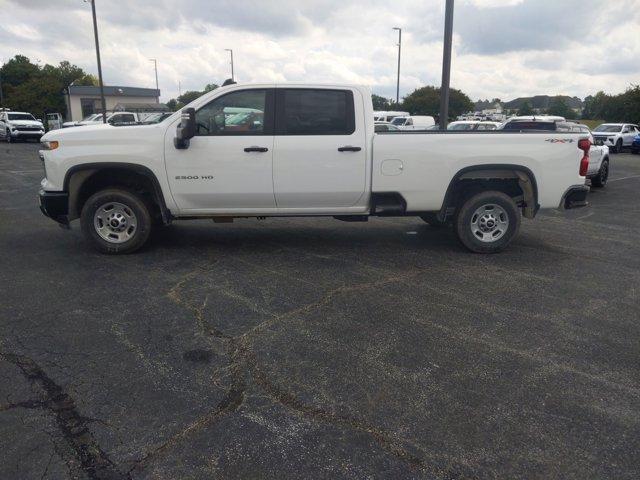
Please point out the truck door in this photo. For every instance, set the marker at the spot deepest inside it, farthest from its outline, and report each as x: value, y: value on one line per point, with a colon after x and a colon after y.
x: 228, y: 165
x: 320, y: 149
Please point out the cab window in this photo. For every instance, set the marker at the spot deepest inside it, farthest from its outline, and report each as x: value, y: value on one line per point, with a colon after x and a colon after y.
x: 306, y: 111
x: 236, y: 113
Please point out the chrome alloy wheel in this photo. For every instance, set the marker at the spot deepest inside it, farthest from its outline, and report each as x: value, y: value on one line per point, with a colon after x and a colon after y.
x: 489, y: 223
x: 115, y: 222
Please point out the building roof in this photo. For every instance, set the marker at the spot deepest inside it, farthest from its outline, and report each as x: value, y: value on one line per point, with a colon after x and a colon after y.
x: 113, y: 91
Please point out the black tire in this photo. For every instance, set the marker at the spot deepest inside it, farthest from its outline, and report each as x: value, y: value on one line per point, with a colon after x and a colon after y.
x: 432, y: 220
x: 618, y: 147
x: 130, y: 207
x: 635, y: 152
x: 507, y: 214
x: 600, y: 180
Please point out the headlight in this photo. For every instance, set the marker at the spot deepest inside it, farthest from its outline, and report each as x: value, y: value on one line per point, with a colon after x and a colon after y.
x: 50, y: 144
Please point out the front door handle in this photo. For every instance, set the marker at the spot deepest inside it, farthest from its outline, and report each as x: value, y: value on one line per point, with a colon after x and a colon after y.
x: 349, y: 149
x: 256, y: 149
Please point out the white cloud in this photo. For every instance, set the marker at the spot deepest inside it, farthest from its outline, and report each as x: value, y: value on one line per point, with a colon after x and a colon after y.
x: 505, y: 48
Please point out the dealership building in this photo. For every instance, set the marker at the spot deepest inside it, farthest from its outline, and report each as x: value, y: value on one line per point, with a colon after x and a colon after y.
x: 84, y: 100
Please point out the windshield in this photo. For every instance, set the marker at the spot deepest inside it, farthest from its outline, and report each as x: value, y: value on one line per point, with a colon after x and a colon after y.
x: 608, y: 128
x: 461, y: 126
x: 398, y: 121
x: 21, y: 116
x: 91, y: 117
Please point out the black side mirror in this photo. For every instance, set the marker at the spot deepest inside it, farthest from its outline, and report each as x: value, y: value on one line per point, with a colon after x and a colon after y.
x: 187, y: 128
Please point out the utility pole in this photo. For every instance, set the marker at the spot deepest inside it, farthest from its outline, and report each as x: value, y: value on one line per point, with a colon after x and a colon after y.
x: 155, y: 66
x: 95, y: 33
x: 231, y: 52
x: 399, y: 51
x: 446, y: 65
x: 179, y: 88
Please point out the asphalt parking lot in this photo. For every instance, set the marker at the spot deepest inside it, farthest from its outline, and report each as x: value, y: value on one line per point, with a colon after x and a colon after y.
x: 300, y: 348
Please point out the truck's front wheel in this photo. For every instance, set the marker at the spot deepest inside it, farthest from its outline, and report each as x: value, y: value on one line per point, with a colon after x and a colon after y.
x: 487, y: 222
x: 115, y: 221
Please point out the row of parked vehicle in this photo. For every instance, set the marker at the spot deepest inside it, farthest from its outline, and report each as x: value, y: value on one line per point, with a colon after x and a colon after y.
x: 16, y: 126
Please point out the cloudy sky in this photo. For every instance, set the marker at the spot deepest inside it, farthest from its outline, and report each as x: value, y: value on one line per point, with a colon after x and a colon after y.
x: 502, y: 48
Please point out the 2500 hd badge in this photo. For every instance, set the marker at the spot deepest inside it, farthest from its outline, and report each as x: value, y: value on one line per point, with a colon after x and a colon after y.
x: 194, y: 177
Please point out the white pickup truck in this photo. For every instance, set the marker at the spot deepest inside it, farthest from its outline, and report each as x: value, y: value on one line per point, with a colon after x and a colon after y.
x: 302, y: 150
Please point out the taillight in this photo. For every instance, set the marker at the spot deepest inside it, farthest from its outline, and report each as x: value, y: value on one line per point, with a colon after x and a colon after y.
x: 585, y: 146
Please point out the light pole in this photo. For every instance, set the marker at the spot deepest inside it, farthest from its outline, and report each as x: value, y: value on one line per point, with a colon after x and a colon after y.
x: 399, y: 51
x: 95, y: 33
x: 155, y: 66
x: 231, y: 52
x: 446, y: 65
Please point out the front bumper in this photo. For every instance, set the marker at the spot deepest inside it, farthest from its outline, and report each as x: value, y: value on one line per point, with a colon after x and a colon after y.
x: 55, y: 205
x: 26, y: 134
x: 575, y: 197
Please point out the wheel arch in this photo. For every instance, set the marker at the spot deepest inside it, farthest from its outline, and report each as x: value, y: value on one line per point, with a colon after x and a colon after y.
x: 80, y: 176
x: 500, y: 172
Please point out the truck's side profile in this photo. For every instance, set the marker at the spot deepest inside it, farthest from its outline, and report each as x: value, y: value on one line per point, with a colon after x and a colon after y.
x: 282, y: 150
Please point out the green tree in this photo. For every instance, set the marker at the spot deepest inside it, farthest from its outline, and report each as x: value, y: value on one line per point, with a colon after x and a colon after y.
x: 37, y: 89
x: 380, y: 103
x: 525, y: 109
x: 426, y: 101
x: 560, y: 108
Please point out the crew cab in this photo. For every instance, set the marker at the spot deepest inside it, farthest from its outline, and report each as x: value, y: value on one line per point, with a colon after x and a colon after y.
x: 615, y: 135
x: 305, y: 150
x: 19, y: 126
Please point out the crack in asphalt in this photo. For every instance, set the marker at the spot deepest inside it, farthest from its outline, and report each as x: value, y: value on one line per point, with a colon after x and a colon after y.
x: 243, y: 364
x: 94, y: 462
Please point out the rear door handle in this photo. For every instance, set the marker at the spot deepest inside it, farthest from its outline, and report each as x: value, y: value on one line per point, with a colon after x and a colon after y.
x: 349, y: 149
x: 256, y: 149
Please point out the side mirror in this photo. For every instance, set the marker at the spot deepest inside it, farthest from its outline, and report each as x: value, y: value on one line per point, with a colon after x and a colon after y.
x: 187, y: 128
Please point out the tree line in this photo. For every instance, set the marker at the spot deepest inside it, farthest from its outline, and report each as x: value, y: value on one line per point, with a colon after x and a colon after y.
x: 39, y: 89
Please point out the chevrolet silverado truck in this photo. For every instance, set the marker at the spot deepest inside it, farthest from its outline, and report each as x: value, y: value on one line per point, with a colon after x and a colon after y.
x: 270, y: 150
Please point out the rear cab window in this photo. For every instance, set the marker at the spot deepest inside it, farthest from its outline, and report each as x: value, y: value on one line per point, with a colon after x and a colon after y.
x: 310, y: 111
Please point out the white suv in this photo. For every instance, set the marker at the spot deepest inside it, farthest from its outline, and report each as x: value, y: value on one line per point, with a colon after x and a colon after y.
x: 20, y: 125
x: 615, y: 135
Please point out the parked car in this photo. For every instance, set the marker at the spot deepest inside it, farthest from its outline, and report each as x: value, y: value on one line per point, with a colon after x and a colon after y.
x: 635, y: 146
x: 316, y: 154
x: 384, y: 127
x: 113, y: 118
x: 532, y: 122
x: 615, y: 135
x: 156, y: 118
x: 20, y: 126
x: 598, y: 171
x: 413, y: 122
x: 54, y: 121
x: 472, y: 125
x: 384, y: 116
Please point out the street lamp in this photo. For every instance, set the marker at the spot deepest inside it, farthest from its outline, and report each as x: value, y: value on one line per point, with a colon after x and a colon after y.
x: 231, y: 52
x: 446, y: 65
x: 155, y: 66
x: 399, y: 51
x: 95, y: 33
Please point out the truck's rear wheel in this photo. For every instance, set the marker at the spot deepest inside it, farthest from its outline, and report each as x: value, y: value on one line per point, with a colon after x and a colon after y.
x: 487, y: 222
x: 115, y: 221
